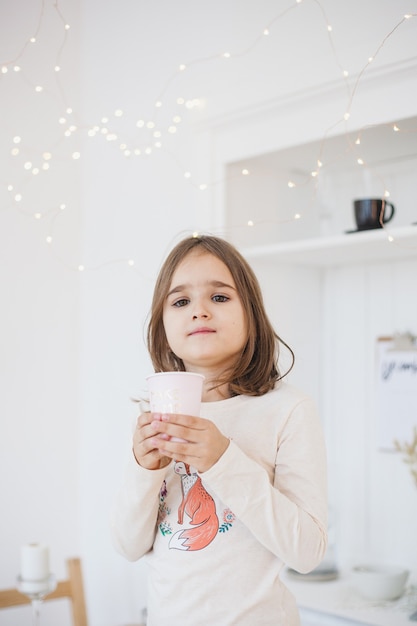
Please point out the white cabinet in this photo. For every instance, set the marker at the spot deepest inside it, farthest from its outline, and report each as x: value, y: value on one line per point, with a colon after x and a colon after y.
x: 296, y: 204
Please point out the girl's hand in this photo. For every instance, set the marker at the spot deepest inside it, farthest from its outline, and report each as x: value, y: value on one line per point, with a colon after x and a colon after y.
x: 145, y: 452
x: 193, y: 440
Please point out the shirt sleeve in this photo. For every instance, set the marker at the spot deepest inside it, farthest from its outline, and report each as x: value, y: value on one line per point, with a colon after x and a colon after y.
x: 288, y: 517
x: 134, y: 515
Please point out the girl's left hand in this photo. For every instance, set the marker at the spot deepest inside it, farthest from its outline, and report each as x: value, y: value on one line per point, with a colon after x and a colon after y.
x: 193, y: 440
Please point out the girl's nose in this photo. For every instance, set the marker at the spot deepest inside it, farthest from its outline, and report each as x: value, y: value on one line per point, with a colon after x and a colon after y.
x: 200, y: 315
x: 200, y: 311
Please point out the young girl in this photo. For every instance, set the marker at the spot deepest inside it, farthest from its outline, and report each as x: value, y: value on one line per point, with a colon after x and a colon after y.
x: 219, y: 514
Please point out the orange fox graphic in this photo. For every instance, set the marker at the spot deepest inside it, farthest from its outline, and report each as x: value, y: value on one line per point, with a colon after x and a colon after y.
x: 200, y: 508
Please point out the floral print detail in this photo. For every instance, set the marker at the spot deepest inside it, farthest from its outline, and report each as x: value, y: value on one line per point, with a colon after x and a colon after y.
x: 228, y: 519
x: 163, y: 492
x: 165, y: 528
x: 163, y: 525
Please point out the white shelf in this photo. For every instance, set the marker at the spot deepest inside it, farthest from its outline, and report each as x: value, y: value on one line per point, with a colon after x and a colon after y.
x: 387, y: 244
x: 337, y: 602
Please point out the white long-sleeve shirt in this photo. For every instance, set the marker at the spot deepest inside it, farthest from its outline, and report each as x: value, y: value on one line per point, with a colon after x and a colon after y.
x: 216, y: 542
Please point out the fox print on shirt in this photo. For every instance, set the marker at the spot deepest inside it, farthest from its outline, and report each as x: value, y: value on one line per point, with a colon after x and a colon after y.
x: 196, y: 508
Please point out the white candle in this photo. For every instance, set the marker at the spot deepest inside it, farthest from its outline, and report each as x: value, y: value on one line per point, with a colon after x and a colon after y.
x: 34, y: 564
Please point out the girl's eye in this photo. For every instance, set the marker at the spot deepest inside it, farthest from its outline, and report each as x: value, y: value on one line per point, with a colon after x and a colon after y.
x: 220, y: 298
x: 180, y: 302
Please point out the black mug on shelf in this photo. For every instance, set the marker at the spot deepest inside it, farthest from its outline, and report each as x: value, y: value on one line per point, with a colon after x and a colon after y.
x: 371, y: 213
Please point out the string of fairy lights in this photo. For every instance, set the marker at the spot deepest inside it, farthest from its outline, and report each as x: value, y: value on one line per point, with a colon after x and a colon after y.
x: 150, y: 134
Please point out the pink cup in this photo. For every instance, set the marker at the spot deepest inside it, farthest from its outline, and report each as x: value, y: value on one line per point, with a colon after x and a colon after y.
x: 175, y: 392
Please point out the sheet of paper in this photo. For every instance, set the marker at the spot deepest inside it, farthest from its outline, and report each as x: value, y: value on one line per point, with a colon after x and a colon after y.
x: 396, y: 394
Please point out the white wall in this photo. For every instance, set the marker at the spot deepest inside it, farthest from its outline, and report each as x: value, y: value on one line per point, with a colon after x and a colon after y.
x: 72, y: 351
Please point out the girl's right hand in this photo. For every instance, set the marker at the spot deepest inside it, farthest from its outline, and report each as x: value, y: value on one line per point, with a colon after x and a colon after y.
x: 145, y: 454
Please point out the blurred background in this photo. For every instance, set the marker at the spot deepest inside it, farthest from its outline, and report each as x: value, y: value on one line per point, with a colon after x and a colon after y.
x: 126, y: 126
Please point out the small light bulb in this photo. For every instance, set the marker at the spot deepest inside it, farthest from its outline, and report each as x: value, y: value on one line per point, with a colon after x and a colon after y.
x: 226, y: 55
x: 202, y: 187
x: 47, y: 156
x: 245, y: 172
x: 131, y: 262
x: 49, y: 239
x: 187, y: 175
x: 266, y: 32
x: 358, y: 141
x: 118, y: 113
x: 345, y: 73
x: 291, y: 184
x: 297, y: 216
x: 182, y: 67
x: 180, y: 100
x: 329, y: 28
x: 15, y: 152
x: 57, y: 68
x: 18, y: 197
x: 386, y: 193
x: 38, y: 89
x: 32, y: 40
x: 17, y: 68
x: 67, y: 26
x: 81, y: 268
x: 28, y: 165
x: 4, y: 69
x: 38, y: 216
x: 17, y: 139
x: 346, y: 116
x: 395, y: 128
x: 360, y: 161
x: 250, y: 223
x: 158, y: 104
x: 62, y: 207
x: 172, y: 130
x: 140, y: 123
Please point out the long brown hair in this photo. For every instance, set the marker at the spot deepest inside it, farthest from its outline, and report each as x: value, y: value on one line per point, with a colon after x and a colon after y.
x: 256, y: 371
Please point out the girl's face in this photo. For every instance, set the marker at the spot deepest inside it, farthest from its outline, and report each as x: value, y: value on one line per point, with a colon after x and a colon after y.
x: 203, y: 317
